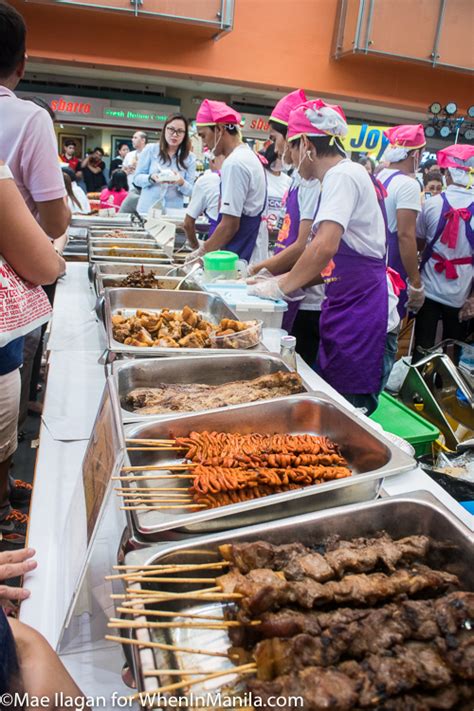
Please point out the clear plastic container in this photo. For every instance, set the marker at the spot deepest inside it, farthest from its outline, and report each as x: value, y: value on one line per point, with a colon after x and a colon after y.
x: 249, y: 338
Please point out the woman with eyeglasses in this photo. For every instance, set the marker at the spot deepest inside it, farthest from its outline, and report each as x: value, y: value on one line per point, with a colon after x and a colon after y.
x: 166, y: 170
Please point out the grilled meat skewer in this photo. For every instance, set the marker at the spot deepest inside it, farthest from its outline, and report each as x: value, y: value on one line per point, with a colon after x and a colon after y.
x: 264, y: 589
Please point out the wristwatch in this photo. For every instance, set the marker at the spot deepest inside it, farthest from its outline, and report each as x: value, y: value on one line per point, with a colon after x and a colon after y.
x: 5, y: 173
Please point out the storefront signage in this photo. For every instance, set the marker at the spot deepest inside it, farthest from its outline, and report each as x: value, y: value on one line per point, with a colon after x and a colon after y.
x: 105, y: 112
x: 70, y: 107
x: 252, y: 123
x: 130, y: 115
x: 366, y: 139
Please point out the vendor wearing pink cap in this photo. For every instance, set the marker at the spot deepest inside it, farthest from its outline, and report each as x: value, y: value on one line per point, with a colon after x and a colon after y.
x: 302, y: 317
x: 402, y: 205
x: 446, y: 225
x: 349, y: 240
x: 243, y: 186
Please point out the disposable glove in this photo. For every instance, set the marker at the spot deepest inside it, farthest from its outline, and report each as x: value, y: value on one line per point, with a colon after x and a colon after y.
x: 416, y: 298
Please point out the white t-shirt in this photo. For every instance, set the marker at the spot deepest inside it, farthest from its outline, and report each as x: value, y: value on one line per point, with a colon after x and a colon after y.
x: 205, y: 196
x: 243, y: 183
x: 403, y: 193
x: 131, y: 161
x: 277, y: 188
x: 451, y: 292
x: 348, y: 197
x: 28, y: 146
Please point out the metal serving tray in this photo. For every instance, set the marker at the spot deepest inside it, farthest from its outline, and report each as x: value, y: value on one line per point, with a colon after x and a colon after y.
x: 211, y: 370
x: 119, y: 269
x: 417, y: 514
x: 140, y: 255
x: 212, y: 307
x: 370, y: 456
x: 135, y: 233
x: 105, y: 281
x: 118, y: 220
x: 123, y: 243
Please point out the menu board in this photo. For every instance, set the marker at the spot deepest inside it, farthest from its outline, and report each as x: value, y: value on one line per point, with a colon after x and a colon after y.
x: 102, y: 460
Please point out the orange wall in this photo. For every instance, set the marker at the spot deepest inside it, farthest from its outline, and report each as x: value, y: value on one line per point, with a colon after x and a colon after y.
x: 275, y: 43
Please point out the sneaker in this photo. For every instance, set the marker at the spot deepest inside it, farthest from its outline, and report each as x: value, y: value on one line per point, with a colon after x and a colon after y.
x: 13, y: 527
x: 20, y: 492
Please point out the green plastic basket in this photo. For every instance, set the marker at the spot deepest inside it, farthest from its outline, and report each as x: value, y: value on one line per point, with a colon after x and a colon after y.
x: 398, y: 419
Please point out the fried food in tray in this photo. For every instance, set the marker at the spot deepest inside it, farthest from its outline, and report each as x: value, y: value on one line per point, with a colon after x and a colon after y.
x: 140, y: 279
x: 357, y: 624
x: 115, y: 234
x: 192, y: 397
x: 180, y: 329
x: 231, y: 468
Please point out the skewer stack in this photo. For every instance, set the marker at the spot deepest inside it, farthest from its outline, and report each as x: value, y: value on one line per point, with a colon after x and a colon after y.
x: 344, y: 628
x: 225, y: 468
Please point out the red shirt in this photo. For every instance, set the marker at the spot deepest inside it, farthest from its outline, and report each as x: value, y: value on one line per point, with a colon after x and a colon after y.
x: 72, y: 162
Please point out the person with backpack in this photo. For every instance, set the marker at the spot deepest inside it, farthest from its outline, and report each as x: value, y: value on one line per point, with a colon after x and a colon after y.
x: 446, y: 225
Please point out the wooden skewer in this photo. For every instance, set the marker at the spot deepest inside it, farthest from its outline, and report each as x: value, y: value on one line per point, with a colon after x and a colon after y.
x: 128, y: 440
x: 134, y: 625
x: 173, y: 672
x: 163, y: 568
x: 161, y: 594
x: 242, y: 669
x: 141, y: 579
x: 201, y: 596
x: 132, y: 490
x: 162, y: 508
x: 152, y: 476
x: 155, y: 449
x: 163, y: 613
x: 167, y: 647
x: 158, y: 467
x: 160, y: 500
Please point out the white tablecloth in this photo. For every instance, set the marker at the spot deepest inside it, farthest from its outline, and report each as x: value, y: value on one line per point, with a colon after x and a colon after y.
x: 74, y: 387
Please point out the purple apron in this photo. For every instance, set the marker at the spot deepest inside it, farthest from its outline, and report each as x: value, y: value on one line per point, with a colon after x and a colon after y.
x: 245, y: 239
x: 428, y: 253
x: 393, y: 250
x: 286, y: 237
x: 353, y: 324
x: 212, y: 224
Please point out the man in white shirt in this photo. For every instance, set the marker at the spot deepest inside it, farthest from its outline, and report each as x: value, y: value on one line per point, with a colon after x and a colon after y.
x: 402, y: 205
x: 243, y: 187
x: 446, y: 225
x: 348, y: 250
x: 27, y: 141
x: 129, y: 166
x: 204, y: 201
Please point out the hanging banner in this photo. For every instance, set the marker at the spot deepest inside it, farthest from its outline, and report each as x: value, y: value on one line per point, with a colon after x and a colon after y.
x: 366, y: 139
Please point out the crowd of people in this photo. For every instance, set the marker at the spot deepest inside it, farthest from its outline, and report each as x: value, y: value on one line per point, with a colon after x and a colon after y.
x: 359, y: 246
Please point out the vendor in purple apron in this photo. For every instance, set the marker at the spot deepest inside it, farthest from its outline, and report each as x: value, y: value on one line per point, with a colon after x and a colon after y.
x: 204, y: 201
x: 446, y: 225
x: 242, y: 181
x: 402, y: 204
x: 298, y: 208
x: 350, y: 236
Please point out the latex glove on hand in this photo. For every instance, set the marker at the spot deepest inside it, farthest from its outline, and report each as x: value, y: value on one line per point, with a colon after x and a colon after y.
x: 416, y: 298
x: 466, y: 312
x: 267, y: 289
x: 196, y: 254
x: 259, y: 276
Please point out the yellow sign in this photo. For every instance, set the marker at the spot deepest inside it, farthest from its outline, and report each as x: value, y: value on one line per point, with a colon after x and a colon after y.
x: 366, y: 139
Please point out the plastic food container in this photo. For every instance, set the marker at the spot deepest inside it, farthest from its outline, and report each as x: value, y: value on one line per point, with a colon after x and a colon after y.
x: 398, y: 419
x: 222, y: 264
x: 249, y: 338
x: 248, y: 307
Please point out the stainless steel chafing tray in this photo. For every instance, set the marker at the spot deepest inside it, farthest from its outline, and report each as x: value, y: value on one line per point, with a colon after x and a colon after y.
x: 119, y: 270
x: 114, y: 253
x: 370, y: 456
x: 211, y: 370
x: 122, y: 243
x: 211, y: 307
x: 417, y: 514
x: 102, y: 233
x: 104, y: 281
